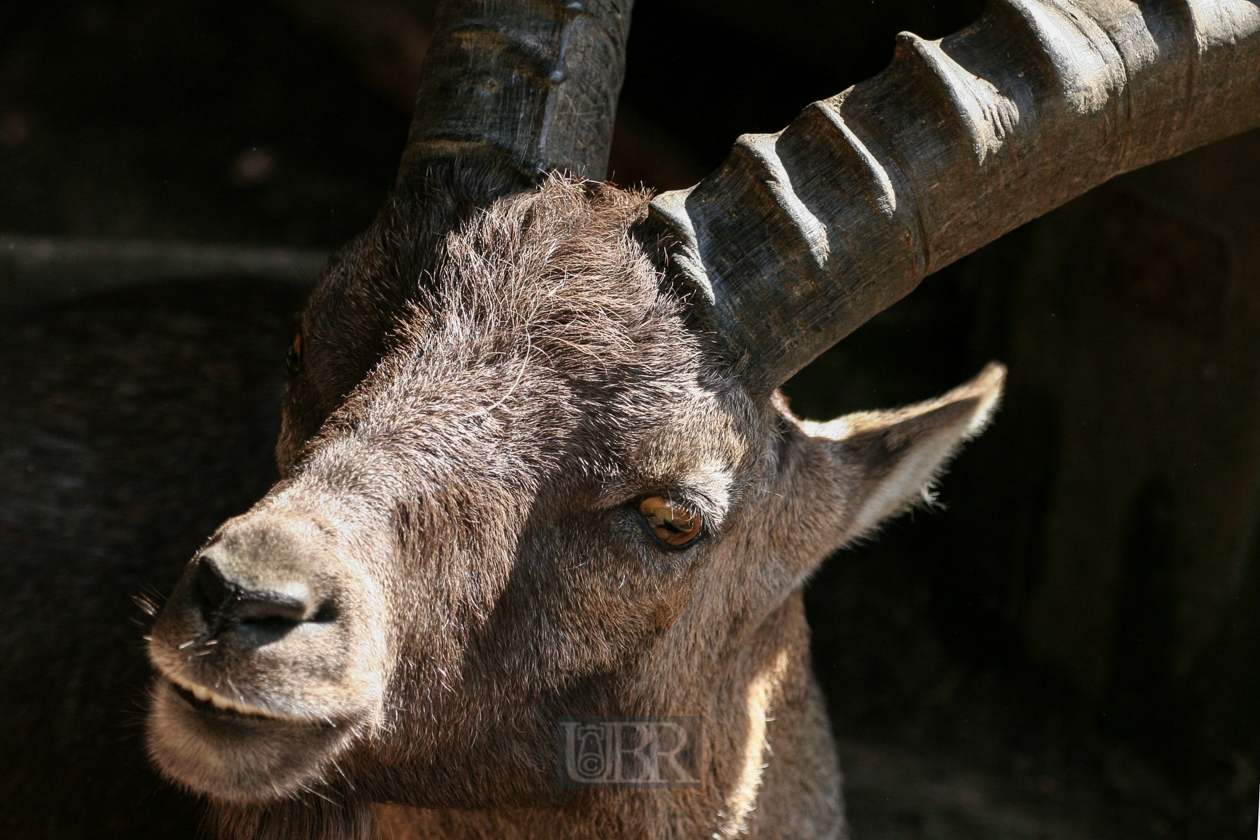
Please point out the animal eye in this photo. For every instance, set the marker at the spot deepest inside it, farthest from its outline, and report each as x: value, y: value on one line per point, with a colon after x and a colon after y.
x: 294, y: 359
x: 673, y: 524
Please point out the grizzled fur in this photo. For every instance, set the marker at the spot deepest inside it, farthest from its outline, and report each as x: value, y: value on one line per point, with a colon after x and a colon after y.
x: 488, y: 383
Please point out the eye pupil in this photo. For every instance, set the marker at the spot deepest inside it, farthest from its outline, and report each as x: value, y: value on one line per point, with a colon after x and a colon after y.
x: 673, y: 524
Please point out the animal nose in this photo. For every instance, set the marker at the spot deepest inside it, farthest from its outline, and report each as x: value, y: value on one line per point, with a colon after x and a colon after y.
x: 225, y: 602
x: 255, y: 585
x: 262, y: 580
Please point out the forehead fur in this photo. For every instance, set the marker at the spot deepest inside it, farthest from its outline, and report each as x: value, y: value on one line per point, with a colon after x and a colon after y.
x: 543, y: 307
x: 562, y: 269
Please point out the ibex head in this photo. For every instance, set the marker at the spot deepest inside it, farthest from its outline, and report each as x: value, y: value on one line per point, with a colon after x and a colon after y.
x: 534, y: 462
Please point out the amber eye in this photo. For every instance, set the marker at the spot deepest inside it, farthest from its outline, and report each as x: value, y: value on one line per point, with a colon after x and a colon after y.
x: 295, y: 353
x: 672, y: 523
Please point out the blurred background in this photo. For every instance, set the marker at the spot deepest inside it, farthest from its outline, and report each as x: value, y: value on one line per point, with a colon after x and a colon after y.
x: 1067, y: 647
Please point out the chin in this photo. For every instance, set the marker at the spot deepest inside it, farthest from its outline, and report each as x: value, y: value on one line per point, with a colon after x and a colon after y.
x: 237, y: 753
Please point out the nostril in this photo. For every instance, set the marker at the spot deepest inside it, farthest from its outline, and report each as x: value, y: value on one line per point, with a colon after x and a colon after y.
x: 254, y: 616
x: 263, y: 617
x: 211, y: 591
x: 292, y: 606
x: 211, y: 588
x: 326, y: 614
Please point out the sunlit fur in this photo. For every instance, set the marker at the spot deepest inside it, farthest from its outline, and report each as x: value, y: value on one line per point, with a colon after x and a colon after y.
x: 490, y: 383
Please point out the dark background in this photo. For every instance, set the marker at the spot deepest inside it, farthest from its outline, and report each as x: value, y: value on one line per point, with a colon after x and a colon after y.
x: 1069, y: 648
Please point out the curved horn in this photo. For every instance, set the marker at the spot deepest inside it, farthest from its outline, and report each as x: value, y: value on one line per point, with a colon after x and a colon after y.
x: 801, y: 236
x: 531, y: 84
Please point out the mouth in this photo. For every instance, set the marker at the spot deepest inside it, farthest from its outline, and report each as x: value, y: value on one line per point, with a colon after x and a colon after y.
x: 208, y: 701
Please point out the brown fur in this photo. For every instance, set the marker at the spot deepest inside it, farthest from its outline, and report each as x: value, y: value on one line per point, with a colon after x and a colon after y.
x: 489, y: 384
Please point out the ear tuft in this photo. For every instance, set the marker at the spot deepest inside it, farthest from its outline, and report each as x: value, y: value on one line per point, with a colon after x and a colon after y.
x: 888, y: 459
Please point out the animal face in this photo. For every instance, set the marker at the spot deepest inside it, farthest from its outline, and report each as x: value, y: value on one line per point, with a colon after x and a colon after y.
x: 456, y: 551
x: 518, y: 483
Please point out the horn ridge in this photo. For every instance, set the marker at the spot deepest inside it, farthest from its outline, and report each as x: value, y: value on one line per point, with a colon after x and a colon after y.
x: 800, y: 237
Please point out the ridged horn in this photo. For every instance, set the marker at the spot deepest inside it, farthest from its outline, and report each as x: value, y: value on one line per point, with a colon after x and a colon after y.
x: 801, y: 236
x: 529, y: 84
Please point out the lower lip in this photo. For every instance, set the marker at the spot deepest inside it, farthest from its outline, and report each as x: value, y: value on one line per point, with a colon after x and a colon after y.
x: 205, y: 707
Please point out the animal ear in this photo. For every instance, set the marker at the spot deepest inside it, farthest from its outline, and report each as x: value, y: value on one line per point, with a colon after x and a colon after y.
x: 888, y: 459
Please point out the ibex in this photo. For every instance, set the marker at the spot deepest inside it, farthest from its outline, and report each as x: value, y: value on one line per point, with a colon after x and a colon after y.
x: 534, y: 462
